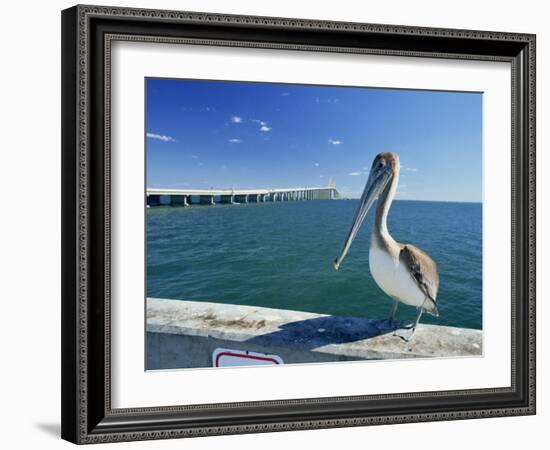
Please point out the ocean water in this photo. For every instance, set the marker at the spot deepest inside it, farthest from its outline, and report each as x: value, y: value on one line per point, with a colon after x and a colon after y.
x: 280, y: 255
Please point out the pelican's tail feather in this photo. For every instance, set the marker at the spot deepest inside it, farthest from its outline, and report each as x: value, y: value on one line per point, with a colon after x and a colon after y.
x: 430, y: 306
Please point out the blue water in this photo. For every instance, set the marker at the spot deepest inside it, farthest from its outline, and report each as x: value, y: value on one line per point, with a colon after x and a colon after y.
x: 280, y: 255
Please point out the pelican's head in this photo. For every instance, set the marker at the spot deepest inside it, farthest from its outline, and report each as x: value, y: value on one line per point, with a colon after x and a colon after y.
x: 384, y: 167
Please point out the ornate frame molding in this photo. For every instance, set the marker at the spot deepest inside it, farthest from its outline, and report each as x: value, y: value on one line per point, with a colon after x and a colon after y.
x: 87, y: 422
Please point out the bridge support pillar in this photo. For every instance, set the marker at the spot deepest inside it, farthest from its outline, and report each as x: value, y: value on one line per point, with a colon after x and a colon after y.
x: 240, y: 198
x: 206, y: 200
x: 179, y: 200
x: 227, y: 199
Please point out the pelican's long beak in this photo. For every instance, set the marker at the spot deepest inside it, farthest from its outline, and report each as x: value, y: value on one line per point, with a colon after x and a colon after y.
x: 378, y: 179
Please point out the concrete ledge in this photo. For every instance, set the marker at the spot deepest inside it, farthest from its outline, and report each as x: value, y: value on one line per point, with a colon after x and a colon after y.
x: 185, y: 334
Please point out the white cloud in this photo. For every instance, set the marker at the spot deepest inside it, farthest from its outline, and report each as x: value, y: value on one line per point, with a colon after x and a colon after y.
x: 201, y: 164
x: 354, y: 174
x: 194, y: 157
x: 262, y: 123
x: 235, y: 141
x: 285, y: 94
x: 161, y: 137
x: 335, y: 141
x: 236, y: 119
x: 316, y: 164
x: 410, y: 169
x: 326, y: 100
x: 201, y: 109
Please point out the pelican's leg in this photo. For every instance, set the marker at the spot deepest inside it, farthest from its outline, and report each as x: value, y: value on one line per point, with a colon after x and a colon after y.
x: 412, y: 327
x: 393, y: 310
x: 391, y: 319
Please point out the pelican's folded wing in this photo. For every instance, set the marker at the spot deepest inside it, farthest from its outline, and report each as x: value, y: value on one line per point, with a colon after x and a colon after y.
x: 422, y: 268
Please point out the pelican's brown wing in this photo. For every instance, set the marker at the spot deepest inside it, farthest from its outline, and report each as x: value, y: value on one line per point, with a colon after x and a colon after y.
x: 422, y: 268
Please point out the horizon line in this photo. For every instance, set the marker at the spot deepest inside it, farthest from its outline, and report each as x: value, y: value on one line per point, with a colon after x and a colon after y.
x: 419, y: 200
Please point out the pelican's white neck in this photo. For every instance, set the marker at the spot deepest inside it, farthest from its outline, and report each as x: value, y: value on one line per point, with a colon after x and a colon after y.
x: 380, y: 233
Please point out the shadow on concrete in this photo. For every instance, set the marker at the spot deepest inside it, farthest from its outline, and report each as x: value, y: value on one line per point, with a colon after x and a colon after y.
x: 53, y: 429
x: 313, y: 333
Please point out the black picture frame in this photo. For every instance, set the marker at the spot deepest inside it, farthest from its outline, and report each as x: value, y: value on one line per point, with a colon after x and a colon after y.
x: 87, y: 415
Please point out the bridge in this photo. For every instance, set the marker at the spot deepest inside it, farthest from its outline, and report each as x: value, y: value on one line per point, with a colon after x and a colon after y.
x: 186, y: 197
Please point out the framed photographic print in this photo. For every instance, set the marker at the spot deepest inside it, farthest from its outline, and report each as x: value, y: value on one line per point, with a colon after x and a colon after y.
x: 259, y: 214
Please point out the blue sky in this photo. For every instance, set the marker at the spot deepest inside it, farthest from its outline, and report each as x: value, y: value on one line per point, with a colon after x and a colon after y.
x: 212, y: 134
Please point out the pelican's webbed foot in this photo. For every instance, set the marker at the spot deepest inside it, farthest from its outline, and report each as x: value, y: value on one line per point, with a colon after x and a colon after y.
x: 406, y: 333
x: 411, y: 328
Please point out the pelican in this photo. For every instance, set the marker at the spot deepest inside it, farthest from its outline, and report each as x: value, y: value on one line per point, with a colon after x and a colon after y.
x: 404, y: 272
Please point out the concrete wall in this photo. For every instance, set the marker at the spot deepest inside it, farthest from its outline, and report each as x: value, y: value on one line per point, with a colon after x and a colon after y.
x: 186, y: 333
